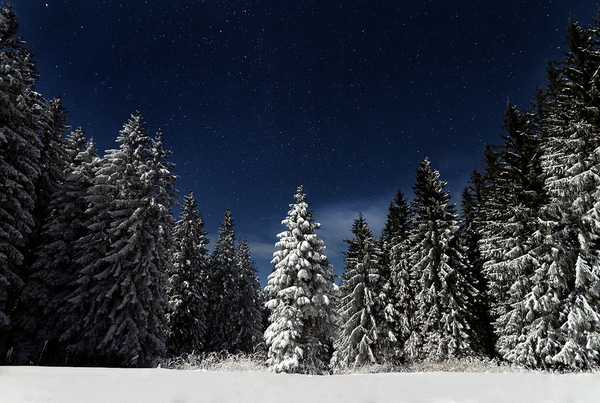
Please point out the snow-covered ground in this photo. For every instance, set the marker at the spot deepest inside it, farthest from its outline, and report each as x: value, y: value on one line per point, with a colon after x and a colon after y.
x: 69, y: 385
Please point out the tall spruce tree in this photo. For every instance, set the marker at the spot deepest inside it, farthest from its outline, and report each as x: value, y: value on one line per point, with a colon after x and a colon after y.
x: 471, y: 206
x: 121, y: 293
x: 396, y: 225
x: 396, y: 251
x: 19, y: 163
x: 224, y: 289
x: 443, y: 295
x: 365, y: 336
x: 302, y: 295
x: 512, y: 210
x: 188, y: 291
x: 250, y: 302
x: 558, y: 317
x: 54, y: 267
x: 54, y: 159
x: 509, y: 223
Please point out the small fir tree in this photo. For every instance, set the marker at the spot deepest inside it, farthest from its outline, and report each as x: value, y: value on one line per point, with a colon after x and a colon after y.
x: 471, y: 203
x: 302, y: 295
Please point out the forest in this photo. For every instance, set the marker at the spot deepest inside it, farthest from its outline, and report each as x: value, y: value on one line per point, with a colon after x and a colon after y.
x: 96, y: 271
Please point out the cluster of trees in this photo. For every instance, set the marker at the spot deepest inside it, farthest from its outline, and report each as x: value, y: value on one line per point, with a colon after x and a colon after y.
x: 93, y: 268
x: 516, y: 276
x: 410, y: 295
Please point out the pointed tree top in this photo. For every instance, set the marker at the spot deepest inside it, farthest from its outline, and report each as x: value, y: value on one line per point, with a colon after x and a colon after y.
x: 189, y: 202
x: 300, y: 195
x: 227, y: 219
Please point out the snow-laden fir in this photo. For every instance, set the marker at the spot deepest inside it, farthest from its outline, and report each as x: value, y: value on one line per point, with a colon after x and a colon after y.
x: 302, y: 294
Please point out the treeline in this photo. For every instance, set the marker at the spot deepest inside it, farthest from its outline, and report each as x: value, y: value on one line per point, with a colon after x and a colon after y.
x: 93, y: 268
x: 515, y: 277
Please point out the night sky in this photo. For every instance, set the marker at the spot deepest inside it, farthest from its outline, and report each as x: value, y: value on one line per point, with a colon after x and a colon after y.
x: 254, y: 97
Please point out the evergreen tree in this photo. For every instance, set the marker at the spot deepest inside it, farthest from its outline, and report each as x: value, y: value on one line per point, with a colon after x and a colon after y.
x: 188, y: 291
x: 396, y: 226
x: 558, y: 316
x: 471, y: 206
x: 443, y: 295
x: 511, y: 216
x: 75, y: 142
x: 302, y: 295
x: 121, y: 286
x: 250, y: 302
x: 54, y: 267
x: 365, y: 337
x: 396, y: 250
x: 19, y: 162
x: 512, y: 211
x: 53, y: 155
x: 224, y: 289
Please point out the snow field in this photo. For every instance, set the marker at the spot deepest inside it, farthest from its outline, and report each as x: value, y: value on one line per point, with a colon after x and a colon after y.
x: 91, y: 385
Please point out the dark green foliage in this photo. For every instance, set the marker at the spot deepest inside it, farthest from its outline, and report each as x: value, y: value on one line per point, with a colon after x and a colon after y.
x: 365, y: 337
x: 19, y: 164
x: 250, y: 302
x: 224, y: 289
x: 54, y: 269
x: 188, y: 291
x: 120, y: 304
x: 471, y: 204
x: 443, y: 294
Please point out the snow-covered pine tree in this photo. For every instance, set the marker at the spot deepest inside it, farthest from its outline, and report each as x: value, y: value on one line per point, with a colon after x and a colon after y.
x: 121, y: 288
x: 188, y: 291
x: 471, y: 205
x: 75, y: 142
x: 443, y: 295
x: 511, y: 210
x: 396, y: 249
x: 89, y: 251
x: 365, y: 336
x: 161, y: 179
x: 54, y: 267
x: 19, y: 161
x: 53, y: 155
x: 508, y: 221
x: 396, y: 226
x: 224, y: 289
x: 250, y: 303
x: 560, y: 313
x: 302, y: 296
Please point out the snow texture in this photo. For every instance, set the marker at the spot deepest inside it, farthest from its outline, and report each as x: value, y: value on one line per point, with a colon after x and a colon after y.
x: 68, y: 385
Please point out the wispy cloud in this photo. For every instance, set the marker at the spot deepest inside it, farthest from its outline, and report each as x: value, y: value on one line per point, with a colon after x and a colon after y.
x: 262, y: 250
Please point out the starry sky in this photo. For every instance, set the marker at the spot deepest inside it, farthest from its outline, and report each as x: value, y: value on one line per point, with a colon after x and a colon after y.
x: 256, y: 96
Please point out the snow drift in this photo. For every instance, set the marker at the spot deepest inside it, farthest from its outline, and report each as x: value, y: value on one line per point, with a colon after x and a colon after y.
x: 70, y: 385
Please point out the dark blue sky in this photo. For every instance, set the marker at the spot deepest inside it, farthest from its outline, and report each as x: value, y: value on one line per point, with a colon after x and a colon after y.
x: 255, y: 96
